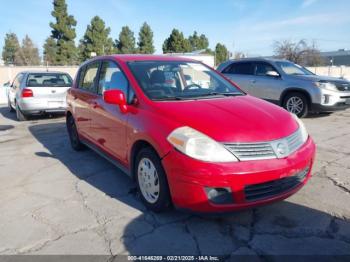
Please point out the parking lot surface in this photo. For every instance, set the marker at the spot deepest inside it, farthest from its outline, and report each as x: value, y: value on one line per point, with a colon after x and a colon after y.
x: 57, y: 201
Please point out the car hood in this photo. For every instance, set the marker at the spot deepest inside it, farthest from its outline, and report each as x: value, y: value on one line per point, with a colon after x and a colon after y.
x: 231, y: 119
x: 321, y: 78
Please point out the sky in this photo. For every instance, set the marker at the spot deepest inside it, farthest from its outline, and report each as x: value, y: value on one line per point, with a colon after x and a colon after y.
x: 248, y: 26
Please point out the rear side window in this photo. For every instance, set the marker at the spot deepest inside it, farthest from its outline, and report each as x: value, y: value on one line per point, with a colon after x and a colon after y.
x: 246, y: 68
x: 87, y: 80
x: 111, y: 77
x: 49, y: 80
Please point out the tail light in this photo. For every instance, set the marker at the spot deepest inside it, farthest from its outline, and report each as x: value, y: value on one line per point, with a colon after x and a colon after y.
x: 26, y: 92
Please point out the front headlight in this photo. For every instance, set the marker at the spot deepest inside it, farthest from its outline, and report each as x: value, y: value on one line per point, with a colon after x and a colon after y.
x: 302, y: 128
x: 326, y: 85
x: 199, y: 146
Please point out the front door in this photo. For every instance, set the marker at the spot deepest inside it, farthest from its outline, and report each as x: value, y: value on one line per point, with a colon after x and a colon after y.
x: 265, y: 85
x: 109, y: 124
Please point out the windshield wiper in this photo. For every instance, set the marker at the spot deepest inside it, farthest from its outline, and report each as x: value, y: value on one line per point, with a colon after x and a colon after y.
x: 167, y: 98
x: 218, y: 94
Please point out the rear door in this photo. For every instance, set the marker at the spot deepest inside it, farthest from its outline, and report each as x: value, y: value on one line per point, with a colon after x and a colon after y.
x: 50, y: 89
x: 242, y: 73
x: 83, y: 95
x: 108, y: 123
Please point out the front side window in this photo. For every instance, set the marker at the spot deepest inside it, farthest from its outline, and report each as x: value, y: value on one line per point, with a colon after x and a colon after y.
x: 263, y: 68
x: 168, y: 80
x: 49, y: 80
x: 88, y: 77
x: 111, y: 77
x: 17, y: 81
x: 290, y: 68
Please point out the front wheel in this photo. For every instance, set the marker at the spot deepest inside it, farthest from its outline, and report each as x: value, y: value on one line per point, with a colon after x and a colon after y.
x: 297, y: 104
x: 151, y: 181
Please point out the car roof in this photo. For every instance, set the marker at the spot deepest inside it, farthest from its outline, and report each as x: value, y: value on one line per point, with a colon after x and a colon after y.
x: 138, y: 57
x: 259, y: 59
x: 43, y: 72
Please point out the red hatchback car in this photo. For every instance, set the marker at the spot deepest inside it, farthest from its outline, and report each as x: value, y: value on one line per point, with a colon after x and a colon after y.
x: 186, y: 134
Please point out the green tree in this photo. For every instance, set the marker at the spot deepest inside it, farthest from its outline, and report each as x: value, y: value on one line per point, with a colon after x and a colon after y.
x: 10, y: 48
x: 126, y: 41
x: 145, y: 43
x: 96, y: 40
x: 28, y: 54
x: 50, y: 51
x: 63, y: 31
x: 221, y: 53
x: 176, y: 43
x: 198, y: 42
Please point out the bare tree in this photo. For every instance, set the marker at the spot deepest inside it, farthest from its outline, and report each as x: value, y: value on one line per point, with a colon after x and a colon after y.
x: 298, y: 52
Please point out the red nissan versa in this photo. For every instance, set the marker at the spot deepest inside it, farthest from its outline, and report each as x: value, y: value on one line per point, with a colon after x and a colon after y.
x: 188, y: 135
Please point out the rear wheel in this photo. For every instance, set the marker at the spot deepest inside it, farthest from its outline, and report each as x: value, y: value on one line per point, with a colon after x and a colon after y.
x: 297, y: 104
x: 10, y: 106
x: 151, y: 181
x: 19, y: 114
x: 73, y: 134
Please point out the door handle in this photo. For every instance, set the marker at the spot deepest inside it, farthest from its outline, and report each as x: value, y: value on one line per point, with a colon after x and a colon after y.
x: 253, y: 81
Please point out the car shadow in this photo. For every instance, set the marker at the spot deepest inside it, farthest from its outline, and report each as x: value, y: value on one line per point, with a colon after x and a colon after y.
x: 7, y: 114
x: 284, y: 228
x: 85, y: 165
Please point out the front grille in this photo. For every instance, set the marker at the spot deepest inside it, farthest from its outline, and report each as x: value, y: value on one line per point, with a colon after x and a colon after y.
x: 342, y: 86
x: 273, y: 188
x: 265, y: 150
x: 251, y: 151
x: 294, y: 141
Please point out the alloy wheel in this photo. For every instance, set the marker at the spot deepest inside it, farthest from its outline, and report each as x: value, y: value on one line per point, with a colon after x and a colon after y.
x: 295, y: 105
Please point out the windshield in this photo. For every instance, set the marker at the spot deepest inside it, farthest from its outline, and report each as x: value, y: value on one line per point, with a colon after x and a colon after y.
x: 170, y: 80
x: 49, y: 80
x: 293, y: 69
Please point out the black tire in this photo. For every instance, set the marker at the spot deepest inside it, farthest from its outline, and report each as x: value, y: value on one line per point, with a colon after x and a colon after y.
x: 10, y: 106
x: 73, y: 134
x: 163, y: 201
x: 19, y: 114
x: 296, y: 96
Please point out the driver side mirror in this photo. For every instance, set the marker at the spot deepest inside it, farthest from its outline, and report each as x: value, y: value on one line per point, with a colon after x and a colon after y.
x: 272, y: 74
x: 116, y: 97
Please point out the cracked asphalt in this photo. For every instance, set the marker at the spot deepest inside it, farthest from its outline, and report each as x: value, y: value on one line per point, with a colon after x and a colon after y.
x: 56, y: 201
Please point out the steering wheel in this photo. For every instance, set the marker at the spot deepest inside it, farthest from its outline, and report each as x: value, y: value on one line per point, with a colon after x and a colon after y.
x: 191, y: 87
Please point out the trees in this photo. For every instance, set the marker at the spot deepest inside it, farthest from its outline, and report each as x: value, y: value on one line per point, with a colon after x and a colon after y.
x: 198, y: 42
x: 10, y: 48
x: 28, y: 54
x: 126, y: 42
x: 176, y: 43
x: 96, y: 40
x: 221, y: 53
x: 145, y: 43
x: 298, y: 52
x: 63, y: 33
x: 50, y: 51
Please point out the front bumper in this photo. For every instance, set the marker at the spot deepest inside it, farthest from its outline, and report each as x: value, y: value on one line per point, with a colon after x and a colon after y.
x: 329, y: 101
x: 189, y: 178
